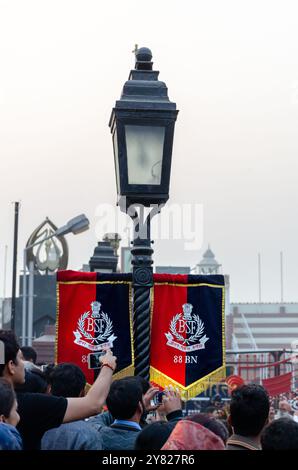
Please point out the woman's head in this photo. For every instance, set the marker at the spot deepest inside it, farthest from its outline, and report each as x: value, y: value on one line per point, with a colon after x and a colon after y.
x: 211, y: 423
x: 188, y: 435
x: 8, y: 404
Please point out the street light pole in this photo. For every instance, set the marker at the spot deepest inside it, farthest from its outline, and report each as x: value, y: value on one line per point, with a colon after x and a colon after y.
x: 30, y: 302
x: 28, y: 325
x: 27, y: 335
x: 76, y: 225
x: 14, y: 271
x: 142, y: 126
x: 24, y: 300
x: 142, y: 283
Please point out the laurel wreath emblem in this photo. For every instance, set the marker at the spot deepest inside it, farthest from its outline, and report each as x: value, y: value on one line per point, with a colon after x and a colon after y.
x: 103, y: 336
x: 192, y: 338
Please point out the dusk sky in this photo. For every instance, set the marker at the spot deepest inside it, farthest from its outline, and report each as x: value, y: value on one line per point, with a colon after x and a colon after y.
x: 232, y: 69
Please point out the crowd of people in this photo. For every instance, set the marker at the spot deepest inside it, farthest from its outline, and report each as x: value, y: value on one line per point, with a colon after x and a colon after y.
x: 50, y: 409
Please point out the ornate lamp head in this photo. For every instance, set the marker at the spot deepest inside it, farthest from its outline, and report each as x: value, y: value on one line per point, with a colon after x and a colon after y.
x: 49, y: 255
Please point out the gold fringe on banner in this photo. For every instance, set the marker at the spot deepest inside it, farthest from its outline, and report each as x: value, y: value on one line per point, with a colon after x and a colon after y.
x: 128, y: 371
x: 192, y: 390
x: 57, y: 321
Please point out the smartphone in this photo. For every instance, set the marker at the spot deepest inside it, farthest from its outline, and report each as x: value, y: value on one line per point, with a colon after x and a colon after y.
x: 94, y: 360
x: 157, y: 399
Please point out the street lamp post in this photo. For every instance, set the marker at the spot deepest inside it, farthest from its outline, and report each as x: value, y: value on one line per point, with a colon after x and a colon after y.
x: 76, y: 225
x: 142, y: 126
x: 14, y: 271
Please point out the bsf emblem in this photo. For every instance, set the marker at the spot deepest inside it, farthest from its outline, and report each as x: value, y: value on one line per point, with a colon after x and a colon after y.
x: 94, y: 329
x: 191, y: 326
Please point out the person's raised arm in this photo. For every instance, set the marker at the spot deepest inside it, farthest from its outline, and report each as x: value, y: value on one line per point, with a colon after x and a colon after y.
x: 91, y: 404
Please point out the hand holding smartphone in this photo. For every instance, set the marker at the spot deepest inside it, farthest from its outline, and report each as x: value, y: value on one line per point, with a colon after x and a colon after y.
x: 94, y: 359
x: 157, y: 399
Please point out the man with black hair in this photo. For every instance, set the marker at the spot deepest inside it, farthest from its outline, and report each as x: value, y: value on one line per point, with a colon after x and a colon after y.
x: 29, y: 354
x: 154, y: 436
x: 40, y: 412
x: 249, y: 410
x: 125, y: 404
x: 280, y: 434
x: 106, y: 419
x: 68, y: 380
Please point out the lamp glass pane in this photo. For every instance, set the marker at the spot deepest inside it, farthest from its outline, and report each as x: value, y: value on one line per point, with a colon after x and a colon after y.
x: 144, y: 145
x: 115, y: 143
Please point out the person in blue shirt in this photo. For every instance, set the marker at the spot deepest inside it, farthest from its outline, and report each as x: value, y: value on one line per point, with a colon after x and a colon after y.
x: 127, y: 403
x: 10, y: 438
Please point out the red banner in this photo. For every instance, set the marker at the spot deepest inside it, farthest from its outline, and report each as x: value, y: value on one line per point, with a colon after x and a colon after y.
x: 187, y: 332
x: 278, y: 384
x: 93, y: 314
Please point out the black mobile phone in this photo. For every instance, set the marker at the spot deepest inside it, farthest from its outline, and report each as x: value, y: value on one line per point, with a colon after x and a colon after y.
x: 157, y: 399
x: 94, y: 360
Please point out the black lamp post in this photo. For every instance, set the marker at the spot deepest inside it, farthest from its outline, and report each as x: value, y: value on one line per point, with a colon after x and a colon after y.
x: 142, y: 126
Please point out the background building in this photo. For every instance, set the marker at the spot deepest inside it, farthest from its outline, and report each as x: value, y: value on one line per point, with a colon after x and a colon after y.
x: 208, y: 264
x: 264, y: 325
